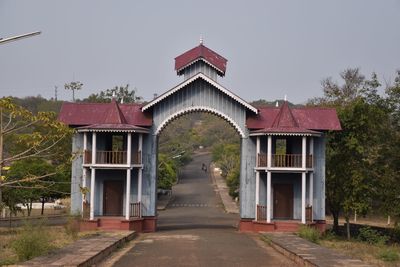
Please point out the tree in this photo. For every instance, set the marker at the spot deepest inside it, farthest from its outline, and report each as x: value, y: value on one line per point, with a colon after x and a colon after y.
x: 24, y: 136
x: 352, y: 155
x: 120, y: 93
x: 73, y: 86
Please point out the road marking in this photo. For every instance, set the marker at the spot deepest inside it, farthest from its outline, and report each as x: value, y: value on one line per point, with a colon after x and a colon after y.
x: 197, y: 205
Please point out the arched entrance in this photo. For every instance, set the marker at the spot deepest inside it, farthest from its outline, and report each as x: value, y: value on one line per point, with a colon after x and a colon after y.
x: 200, y: 91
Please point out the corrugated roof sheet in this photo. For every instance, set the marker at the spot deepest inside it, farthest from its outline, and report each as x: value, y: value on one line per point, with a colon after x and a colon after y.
x: 201, y: 52
x: 80, y: 114
x: 310, y: 118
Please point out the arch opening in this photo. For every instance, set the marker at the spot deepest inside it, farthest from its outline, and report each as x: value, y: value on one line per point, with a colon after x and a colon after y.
x: 205, y: 109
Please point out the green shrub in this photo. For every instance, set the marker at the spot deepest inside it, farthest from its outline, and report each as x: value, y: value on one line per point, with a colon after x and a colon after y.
x: 72, y: 227
x: 31, y: 241
x: 388, y: 254
x: 310, y: 234
x: 371, y: 236
x: 329, y: 235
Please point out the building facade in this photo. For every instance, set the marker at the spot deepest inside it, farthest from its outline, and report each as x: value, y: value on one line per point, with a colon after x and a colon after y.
x: 282, y: 171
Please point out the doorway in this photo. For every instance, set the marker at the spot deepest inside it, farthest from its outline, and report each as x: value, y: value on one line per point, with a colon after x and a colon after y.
x: 283, y: 201
x: 113, y: 198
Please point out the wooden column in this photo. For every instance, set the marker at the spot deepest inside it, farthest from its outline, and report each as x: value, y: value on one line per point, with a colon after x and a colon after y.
x: 94, y: 148
x: 257, y: 176
x: 128, y: 194
x: 84, y: 171
x: 303, y: 197
x: 129, y: 150
x: 140, y: 171
x: 269, y: 206
x: 92, y: 186
x: 269, y: 149
x: 303, y: 152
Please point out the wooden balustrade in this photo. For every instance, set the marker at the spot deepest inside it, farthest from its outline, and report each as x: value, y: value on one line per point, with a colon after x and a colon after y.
x: 135, y: 210
x: 137, y: 157
x: 261, y: 213
x: 309, y: 214
x: 112, y: 157
x: 87, y: 156
x: 284, y: 160
x: 262, y: 160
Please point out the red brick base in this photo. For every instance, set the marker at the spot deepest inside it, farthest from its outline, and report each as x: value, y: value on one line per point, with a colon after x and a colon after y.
x: 88, y: 225
x: 145, y: 224
x: 249, y: 225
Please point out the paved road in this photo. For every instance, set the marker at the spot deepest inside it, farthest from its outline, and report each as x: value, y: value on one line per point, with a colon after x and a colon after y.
x: 195, y: 231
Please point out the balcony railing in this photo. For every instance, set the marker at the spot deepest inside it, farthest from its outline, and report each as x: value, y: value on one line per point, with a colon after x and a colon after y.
x: 136, y: 210
x: 261, y: 213
x: 284, y: 160
x: 112, y: 157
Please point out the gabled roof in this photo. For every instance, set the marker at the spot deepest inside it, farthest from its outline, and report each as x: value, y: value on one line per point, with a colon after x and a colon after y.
x: 114, y: 114
x: 306, y: 120
x: 205, y: 78
x: 201, y: 52
x: 84, y: 114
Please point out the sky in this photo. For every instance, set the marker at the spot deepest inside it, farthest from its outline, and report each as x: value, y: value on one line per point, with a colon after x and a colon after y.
x: 274, y: 48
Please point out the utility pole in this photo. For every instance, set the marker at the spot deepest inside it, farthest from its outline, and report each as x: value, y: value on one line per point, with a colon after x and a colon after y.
x: 55, y: 93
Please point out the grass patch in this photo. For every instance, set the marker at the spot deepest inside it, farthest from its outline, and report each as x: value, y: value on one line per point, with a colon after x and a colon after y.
x: 31, y: 241
x: 374, y: 253
x: 266, y: 239
x: 309, y: 233
x: 388, y: 254
x: 19, y: 244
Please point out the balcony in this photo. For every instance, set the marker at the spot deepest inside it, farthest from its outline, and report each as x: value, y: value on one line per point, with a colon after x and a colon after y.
x: 284, y: 161
x: 113, y: 157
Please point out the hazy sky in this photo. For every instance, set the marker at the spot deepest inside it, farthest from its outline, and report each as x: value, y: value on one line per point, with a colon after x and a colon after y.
x: 273, y: 47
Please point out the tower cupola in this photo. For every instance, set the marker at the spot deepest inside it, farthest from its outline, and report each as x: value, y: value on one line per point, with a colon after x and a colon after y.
x: 200, y: 59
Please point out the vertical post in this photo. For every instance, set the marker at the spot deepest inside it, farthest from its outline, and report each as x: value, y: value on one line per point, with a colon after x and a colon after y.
x: 303, y: 152
x: 269, y: 197
x: 311, y: 152
x: 311, y: 193
x: 128, y: 194
x: 257, y: 192
x: 303, y: 197
x: 94, y: 147
x: 129, y: 150
x: 257, y: 176
x: 92, y: 185
x: 84, y: 174
x: 269, y: 149
x: 258, y: 151
x: 140, y: 170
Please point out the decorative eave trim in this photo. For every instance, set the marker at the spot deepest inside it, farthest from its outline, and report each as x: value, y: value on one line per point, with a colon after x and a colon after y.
x: 200, y: 108
x: 210, y: 81
x: 205, y: 61
x: 112, y: 130
x: 286, y: 134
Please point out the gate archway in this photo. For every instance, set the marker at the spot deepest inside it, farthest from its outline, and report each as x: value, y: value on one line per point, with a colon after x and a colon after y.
x: 200, y: 92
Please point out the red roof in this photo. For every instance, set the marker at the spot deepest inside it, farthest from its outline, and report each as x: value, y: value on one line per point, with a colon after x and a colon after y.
x: 285, y: 119
x: 83, y: 114
x: 201, y: 52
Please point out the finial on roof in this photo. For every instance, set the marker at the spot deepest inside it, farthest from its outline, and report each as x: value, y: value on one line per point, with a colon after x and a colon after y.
x: 113, y: 95
x: 122, y: 100
x: 277, y: 104
x: 201, y: 39
x: 285, y: 97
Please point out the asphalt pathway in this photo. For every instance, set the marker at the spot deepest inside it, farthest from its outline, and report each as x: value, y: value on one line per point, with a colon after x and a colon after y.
x: 194, y: 230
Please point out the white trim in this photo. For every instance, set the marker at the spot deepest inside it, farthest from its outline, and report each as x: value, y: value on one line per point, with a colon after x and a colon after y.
x: 210, y: 81
x: 200, y: 108
x: 197, y: 60
x: 129, y: 149
x: 286, y: 134
x: 111, y: 130
x: 94, y: 148
x: 113, y: 166
x: 303, y: 152
x: 269, y: 152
